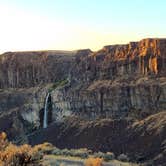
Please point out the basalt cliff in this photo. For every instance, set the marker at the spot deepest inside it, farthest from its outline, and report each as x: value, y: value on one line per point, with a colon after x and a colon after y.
x: 118, y: 82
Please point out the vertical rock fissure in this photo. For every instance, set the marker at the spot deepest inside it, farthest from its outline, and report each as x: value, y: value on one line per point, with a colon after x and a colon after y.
x: 101, y: 102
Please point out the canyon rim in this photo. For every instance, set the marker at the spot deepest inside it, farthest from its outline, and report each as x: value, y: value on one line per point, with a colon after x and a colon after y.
x: 59, y: 96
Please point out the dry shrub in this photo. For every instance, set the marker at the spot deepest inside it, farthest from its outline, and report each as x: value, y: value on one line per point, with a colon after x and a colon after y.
x: 3, y: 141
x: 82, y: 153
x: 19, y: 155
x: 109, y: 156
x: 123, y: 157
x: 45, y: 148
x: 105, y: 156
x: 3, y: 136
x: 12, y: 155
x: 94, y: 162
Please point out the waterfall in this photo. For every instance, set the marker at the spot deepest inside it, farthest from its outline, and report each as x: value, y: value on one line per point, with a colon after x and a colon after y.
x: 45, y: 119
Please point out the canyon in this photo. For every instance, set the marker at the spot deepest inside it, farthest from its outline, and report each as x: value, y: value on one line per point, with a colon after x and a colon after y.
x: 117, y: 82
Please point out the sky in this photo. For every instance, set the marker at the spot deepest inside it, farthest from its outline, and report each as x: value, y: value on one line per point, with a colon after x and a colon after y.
x: 78, y: 24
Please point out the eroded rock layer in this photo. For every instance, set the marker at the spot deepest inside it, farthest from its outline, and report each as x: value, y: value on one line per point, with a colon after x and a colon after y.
x: 116, y: 81
x: 136, y: 58
x: 29, y: 69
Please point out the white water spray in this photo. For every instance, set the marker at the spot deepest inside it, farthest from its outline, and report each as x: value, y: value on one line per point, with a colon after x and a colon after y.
x: 45, y: 124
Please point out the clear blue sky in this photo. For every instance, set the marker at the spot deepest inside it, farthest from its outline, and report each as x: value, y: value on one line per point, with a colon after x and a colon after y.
x: 75, y: 24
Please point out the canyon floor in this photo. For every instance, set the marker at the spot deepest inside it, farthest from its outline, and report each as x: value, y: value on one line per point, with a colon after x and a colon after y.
x: 52, y: 160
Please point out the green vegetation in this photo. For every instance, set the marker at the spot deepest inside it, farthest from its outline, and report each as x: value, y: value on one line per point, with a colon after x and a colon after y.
x: 59, y: 83
x: 81, y: 153
x: 105, y: 156
x: 123, y: 157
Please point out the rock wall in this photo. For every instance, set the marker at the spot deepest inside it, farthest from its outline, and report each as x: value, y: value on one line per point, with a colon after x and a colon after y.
x: 20, y: 110
x: 116, y: 81
x: 29, y: 69
x: 146, y: 57
x: 107, y: 98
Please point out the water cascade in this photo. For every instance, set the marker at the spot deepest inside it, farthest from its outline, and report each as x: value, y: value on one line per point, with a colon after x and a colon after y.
x: 45, y: 119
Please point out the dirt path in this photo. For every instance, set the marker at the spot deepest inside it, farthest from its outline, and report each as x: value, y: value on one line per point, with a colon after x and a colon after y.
x: 66, y: 162
x: 51, y: 160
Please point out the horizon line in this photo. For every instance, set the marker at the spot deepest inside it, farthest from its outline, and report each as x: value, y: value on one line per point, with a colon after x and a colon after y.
x: 74, y: 50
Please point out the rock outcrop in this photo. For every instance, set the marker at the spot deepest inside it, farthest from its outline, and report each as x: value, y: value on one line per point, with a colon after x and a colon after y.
x: 106, y: 98
x: 117, y: 81
x: 146, y: 57
x: 29, y: 69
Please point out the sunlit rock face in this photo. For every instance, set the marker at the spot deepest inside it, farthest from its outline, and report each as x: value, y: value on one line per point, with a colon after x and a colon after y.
x: 146, y: 57
x: 29, y: 69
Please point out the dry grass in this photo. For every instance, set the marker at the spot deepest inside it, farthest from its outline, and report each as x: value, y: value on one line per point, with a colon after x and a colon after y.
x: 94, y: 162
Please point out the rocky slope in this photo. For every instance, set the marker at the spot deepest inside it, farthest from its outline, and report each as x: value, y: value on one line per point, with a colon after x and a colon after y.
x: 143, y: 141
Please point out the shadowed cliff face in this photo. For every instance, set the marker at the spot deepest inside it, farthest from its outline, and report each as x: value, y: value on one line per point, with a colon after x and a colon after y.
x: 29, y: 69
x: 120, y: 98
